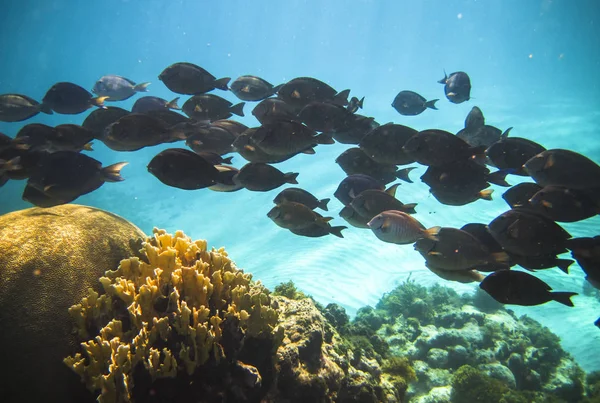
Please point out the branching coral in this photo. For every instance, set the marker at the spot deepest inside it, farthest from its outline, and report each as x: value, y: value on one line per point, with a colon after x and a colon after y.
x: 181, y: 309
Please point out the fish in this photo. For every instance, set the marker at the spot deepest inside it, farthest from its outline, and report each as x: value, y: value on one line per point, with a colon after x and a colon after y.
x: 524, y: 233
x: 520, y: 288
x: 225, y: 181
x: 66, y: 175
x: 261, y: 177
x: 435, y: 147
x: 272, y: 109
x: 252, y: 88
x: 211, y: 107
x: 17, y: 108
x: 10, y: 165
x: 323, y: 116
x: 29, y: 161
x: 559, y: 167
x: 301, y: 196
x: 534, y: 263
x: 355, y: 104
x: 100, y: 118
x: 149, y: 104
x: 39, y: 198
x: 300, y: 91
x: 295, y: 216
x: 354, y: 129
x: 190, y: 79
x: 586, y: 251
x: 460, y: 198
x: 460, y: 276
x: 285, y: 137
x: 485, y: 135
x: 250, y: 151
x: 564, y: 205
x: 462, y: 175
x: 183, y: 169
x: 355, y: 161
x: 482, y: 234
x: 117, y: 88
x: 214, y: 158
x: 385, y: 143
x: 518, y: 196
x: 212, y: 139
x: 409, y: 103
x: 70, y: 99
x: 474, y: 119
x: 318, y: 230
x: 372, y: 202
x: 455, y: 249
x: 400, y: 228
x: 353, y: 185
x: 138, y: 130
x: 353, y: 218
x: 512, y: 153
x: 71, y: 137
x: 236, y: 128
x: 7, y: 142
x: 457, y: 87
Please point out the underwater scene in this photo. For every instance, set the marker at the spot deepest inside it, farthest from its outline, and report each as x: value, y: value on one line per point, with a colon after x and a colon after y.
x: 300, y: 201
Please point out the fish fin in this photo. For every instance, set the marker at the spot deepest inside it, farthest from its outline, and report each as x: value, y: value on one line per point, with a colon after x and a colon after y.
x: 173, y: 104
x: 323, y: 204
x: 222, y: 83
x: 431, y: 233
x: 409, y: 208
x: 443, y: 80
x: 99, y: 101
x: 501, y: 257
x: 112, y: 173
x: 564, y: 264
x: 342, y: 97
x: 431, y: 104
x: 141, y: 87
x: 309, y: 150
x: 549, y: 161
x: 546, y: 203
x: 392, y: 189
x: 46, y: 109
x: 290, y: 177
x: 88, y: 146
x: 505, y: 134
x: 402, y: 174
x: 238, y: 109
x: 11, y: 165
x: 324, y: 138
x: 361, y: 102
x: 486, y: 194
x: 352, y: 193
x: 499, y: 178
x: 337, y: 231
x: 227, y: 160
x: 563, y: 297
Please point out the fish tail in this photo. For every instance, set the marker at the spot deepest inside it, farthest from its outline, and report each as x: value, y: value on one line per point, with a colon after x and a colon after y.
x: 324, y: 138
x: 309, y: 150
x: 431, y: 104
x: 409, y: 208
x: 505, y: 134
x: 98, y: 101
x: 443, y: 80
x: 563, y: 297
x: 173, y: 104
x: 222, y: 83
x: 486, y: 194
x: 227, y: 160
x: 10, y: 165
x: 323, y: 204
x: 238, y: 109
x: 402, y: 174
x: 360, y: 103
x: 432, y: 233
x: 564, y: 264
x: 290, y: 177
x: 46, y: 109
x: 337, y: 231
x: 141, y: 87
x: 112, y: 173
x: 501, y: 257
x: 88, y: 146
x: 499, y: 177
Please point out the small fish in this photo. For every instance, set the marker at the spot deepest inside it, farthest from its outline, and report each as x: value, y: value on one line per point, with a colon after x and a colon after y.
x: 323, y: 116
x: 460, y: 198
x: 482, y: 234
x: 438, y: 147
x: 354, y: 129
x: 301, y: 196
x: 261, y: 177
x: 355, y: 161
x: 457, y: 87
x: 99, y: 119
x: 252, y: 88
x: 518, y: 196
x: 272, y: 109
x: 70, y: 99
x: 250, y: 151
x: 236, y: 128
x: 214, y: 158
x: 149, y: 104
x: 117, y: 88
x: 564, y: 205
x: 353, y: 185
x: 520, y: 288
x: 475, y: 119
x: 285, y: 137
x: 225, y: 181
x: 485, y: 135
x: 409, y: 103
x: 371, y: 202
x: 300, y: 91
x: 355, y: 104
x: 587, y: 253
x: 17, y: 107
x: 512, y: 153
x: 69, y: 137
x: 138, y: 130
x: 384, y: 144
x: 563, y: 168
x: 353, y: 218
x: 400, y: 228
x: 295, y: 216
x: 534, y: 263
x: 212, y: 139
x: 463, y: 175
x: 190, y: 79
x: 318, y: 230
x: 183, y: 169
x: 211, y: 107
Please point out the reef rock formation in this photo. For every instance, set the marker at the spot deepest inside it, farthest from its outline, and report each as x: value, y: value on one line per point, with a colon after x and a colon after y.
x: 50, y: 258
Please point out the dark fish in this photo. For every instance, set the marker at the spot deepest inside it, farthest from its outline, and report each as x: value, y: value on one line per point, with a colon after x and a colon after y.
x: 301, y: 196
x: 271, y: 109
x: 7, y: 142
x: 252, y: 88
x: 211, y: 107
x: 39, y: 198
x: 353, y: 185
x: 353, y: 218
x: 461, y: 276
x: 117, y: 88
x: 172, y: 118
x: 35, y: 136
x: 355, y: 104
x: 482, y: 136
x: 148, y: 104
x: 455, y: 249
x: 457, y: 87
x: 101, y: 118
x: 520, y: 288
x: 214, y: 158
x: 300, y: 91
x: 356, y: 161
x: 438, y: 147
x: 213, y: 139
x: 17, y: 107
x: 10, y: 165
x: 399, y: 228
x: 187, y: 78
x: 563, y: 168
x: 71, y: 99
x: 518, y: 196
x: 285, y: 137
x: 29, y: 161
x: 534, y: 263
x: 460, y: 198
x: 371, y: 202
x: 262, y: 177
x: 183, y: 169
x: 69, y: 137
x: 587, y: 253
x: 138, y: 130
x: 475, y: 119
x: 318, y: 230
x: 481, y: 233
x: 250, y: 151
x: 66, y: 175
x: 409, y: 103
x: 527, y: 234
x: 512, y: 153
x: 564, y: 205
x: 354, y: 129
x: 462, y: 175
x: 225, y: 181
x: 323, y: 116
x: 236, y: 128
x: 294, y: 216
x: 384, y: 144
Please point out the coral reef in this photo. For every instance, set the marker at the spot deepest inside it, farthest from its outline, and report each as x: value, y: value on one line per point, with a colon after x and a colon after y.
x: 289, y: 290
x: 181, y: 322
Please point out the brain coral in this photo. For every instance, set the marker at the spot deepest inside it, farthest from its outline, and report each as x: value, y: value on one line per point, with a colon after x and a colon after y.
x: 172, y: 314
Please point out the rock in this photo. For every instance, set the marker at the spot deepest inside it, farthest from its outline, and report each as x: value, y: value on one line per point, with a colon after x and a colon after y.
x: 566, y: 382
x: 484, y: 356
x: 457, y: 356
x: 437, y: 358
x: 499, y: 372
x: 440, y: 394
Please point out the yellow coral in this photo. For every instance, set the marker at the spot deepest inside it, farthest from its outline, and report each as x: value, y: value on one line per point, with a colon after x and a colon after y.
x: 180, y: 297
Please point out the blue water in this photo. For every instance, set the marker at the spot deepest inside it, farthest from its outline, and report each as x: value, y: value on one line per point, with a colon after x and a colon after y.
x: 533, y: 65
